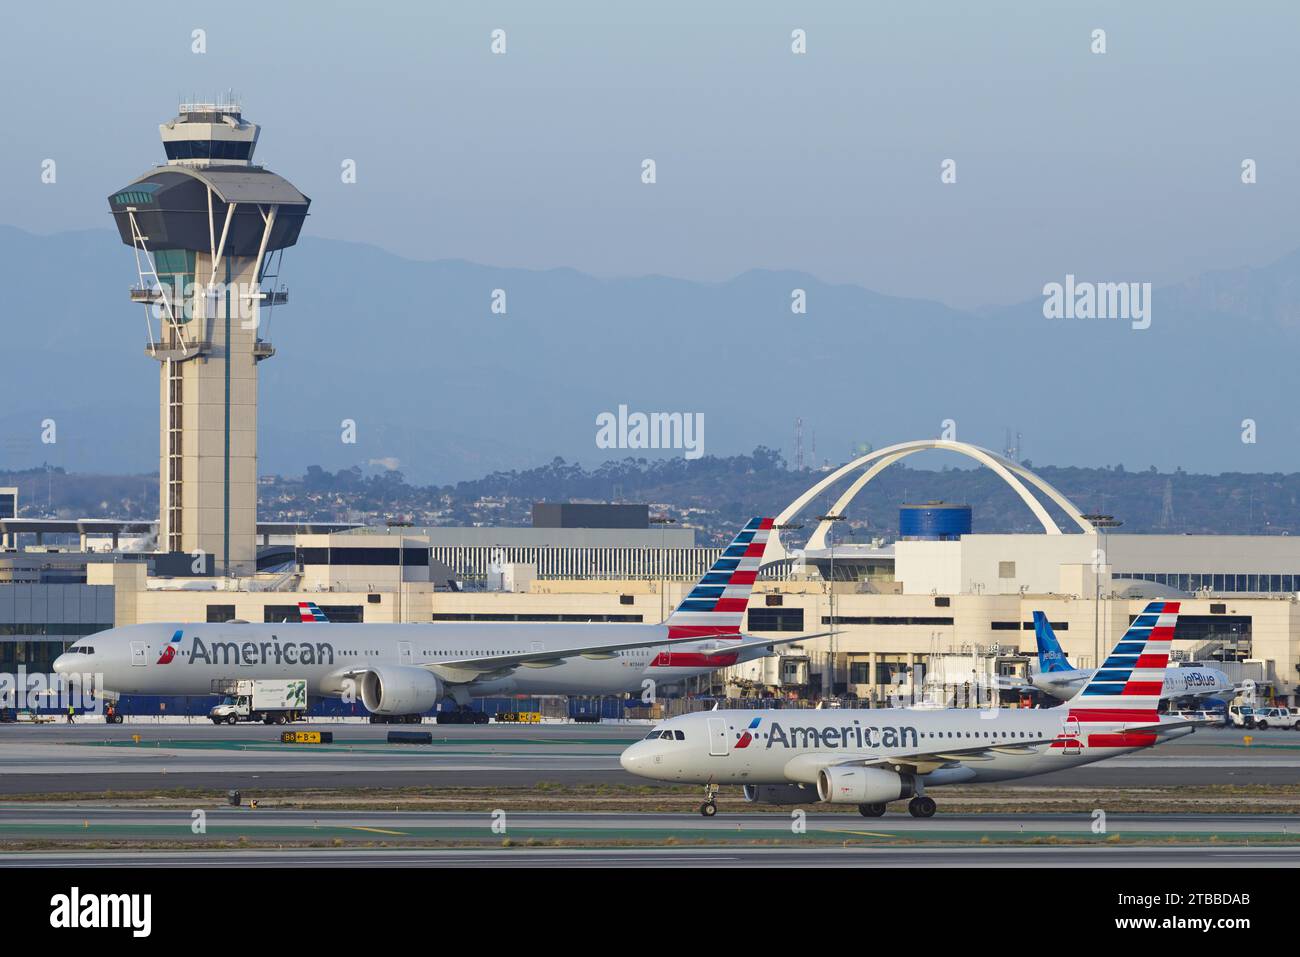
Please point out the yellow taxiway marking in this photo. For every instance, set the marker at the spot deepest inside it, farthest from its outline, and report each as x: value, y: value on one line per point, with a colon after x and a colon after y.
x: 377, y: 830
x: 863, y: 833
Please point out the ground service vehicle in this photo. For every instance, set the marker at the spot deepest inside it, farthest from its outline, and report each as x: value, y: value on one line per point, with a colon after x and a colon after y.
x: 269, y: 700
x: 1276, y: 718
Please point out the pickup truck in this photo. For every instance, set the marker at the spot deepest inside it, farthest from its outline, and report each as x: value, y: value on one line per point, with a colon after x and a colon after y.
x: 1263, y: 718
x: 1276, y: 718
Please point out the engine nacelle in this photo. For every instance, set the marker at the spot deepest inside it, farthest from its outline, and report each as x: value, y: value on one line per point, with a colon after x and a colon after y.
x: 400, y: 690
x: 779, y: 794
x: 863, y: 785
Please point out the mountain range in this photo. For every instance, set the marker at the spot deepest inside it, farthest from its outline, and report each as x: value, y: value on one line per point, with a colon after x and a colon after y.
x: 445, y: 389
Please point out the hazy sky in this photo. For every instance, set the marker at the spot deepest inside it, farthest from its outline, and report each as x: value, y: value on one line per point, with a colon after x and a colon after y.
x: 1124, y: 165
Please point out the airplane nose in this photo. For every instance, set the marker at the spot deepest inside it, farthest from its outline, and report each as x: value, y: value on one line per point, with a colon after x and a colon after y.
x: 62, y: 664
x: 633, y: 758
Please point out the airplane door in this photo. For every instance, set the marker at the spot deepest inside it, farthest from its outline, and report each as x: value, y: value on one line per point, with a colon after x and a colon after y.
x: 137, y: 654
x: 718, y: 737
x: 404, y: 652
x: 1070, y: 733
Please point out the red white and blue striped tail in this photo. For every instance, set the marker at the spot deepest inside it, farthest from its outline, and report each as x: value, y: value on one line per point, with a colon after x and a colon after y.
x: 1126, y: 689
x: 716, y: 606
x: 309, y: 611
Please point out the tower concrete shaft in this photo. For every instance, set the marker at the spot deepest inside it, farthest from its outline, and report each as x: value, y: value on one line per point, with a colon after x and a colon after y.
x: 206, y: 229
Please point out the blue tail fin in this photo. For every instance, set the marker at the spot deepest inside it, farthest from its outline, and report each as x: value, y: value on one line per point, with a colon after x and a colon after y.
x: 1050, y: 655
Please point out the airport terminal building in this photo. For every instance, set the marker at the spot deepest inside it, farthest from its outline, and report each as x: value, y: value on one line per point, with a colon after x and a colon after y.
x: 941, y: 597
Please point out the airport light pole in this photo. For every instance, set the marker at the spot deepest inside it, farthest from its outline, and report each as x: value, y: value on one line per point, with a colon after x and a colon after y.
x: 663, y: 521
x: 783, y: 527
x: 832, y: 518
x: 1100, y: 523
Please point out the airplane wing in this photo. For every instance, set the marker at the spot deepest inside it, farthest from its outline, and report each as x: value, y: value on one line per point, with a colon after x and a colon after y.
x: 924, y: 762
x: 761, y: 642
x: 1160, y: 727
x: 458, y: 670
x: 463, y: 670
x: 805, y: 766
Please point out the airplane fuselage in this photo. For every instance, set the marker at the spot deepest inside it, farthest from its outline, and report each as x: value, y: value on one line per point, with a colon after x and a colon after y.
x: 792, y: 746
x: 144, y: 659
x: 1190, y: 682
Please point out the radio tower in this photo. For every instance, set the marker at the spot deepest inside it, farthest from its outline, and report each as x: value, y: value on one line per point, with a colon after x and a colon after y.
x: 798, y: 444
x: 206, y: 227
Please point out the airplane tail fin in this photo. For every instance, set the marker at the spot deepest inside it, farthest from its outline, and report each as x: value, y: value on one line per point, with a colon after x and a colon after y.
x: 716, y: 605
x: 1126, y: 688
x: 1051, y: 657
x: 310, y: 611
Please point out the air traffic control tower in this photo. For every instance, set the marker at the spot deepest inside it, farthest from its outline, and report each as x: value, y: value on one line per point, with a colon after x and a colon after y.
x: 208, y: 229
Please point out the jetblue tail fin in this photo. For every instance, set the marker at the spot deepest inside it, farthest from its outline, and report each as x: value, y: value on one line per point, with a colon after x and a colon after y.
x: 716, y: 605
x: 1051, y: 657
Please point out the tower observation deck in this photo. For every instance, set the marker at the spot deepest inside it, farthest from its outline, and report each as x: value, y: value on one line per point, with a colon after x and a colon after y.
x: 209, y: 229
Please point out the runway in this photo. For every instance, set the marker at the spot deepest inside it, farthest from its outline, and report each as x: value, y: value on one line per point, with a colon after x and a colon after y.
x: 246, y: 837
x: 1071, y: 857
x: 97, y: 758
x: 21, y: 821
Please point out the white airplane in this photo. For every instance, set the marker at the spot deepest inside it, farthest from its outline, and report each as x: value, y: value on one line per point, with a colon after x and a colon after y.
x: 407, y: 669
x: 1055, y: 677
x: 872, y: 757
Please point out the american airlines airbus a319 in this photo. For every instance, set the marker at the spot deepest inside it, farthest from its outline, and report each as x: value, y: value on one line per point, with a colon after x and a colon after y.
x: 407, y: 669
x: 872, y: 757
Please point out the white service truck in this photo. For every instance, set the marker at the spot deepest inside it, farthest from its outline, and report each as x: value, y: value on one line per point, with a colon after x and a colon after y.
x: 269, y: 700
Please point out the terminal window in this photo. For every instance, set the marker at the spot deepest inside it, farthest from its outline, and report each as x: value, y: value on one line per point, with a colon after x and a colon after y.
x: 776, y: 619
x: 219, y: 613
x: 285, y: 614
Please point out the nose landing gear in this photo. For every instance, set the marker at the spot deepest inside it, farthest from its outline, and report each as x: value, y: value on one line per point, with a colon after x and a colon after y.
x: 710, y: 805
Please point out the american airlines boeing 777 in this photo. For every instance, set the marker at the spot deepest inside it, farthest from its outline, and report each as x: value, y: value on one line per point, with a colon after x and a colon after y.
x: 407, y: 669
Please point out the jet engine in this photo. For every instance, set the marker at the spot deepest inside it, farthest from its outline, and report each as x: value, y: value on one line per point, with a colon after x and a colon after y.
x: 779, y: 794
x: 400, y: 690
x: 844, y: 785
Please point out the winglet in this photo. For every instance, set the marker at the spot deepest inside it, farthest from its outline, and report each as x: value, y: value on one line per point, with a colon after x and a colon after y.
x: 310, y: 611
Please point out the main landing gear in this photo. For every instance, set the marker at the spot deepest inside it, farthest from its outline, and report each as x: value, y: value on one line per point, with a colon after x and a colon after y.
x: 710, y: 805
x: 921, y: 806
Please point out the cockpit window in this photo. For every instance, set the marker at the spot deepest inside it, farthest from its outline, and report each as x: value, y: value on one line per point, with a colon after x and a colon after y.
x: 652, y: 734
x: 679, y: 736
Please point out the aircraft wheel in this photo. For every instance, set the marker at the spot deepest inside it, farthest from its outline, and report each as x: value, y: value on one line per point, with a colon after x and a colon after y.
x: 871, y: 810
x: 921, y: 807
x: 708, y: 809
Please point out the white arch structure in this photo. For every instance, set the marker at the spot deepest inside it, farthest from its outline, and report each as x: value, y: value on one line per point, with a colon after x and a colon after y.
x: 876, y: 462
